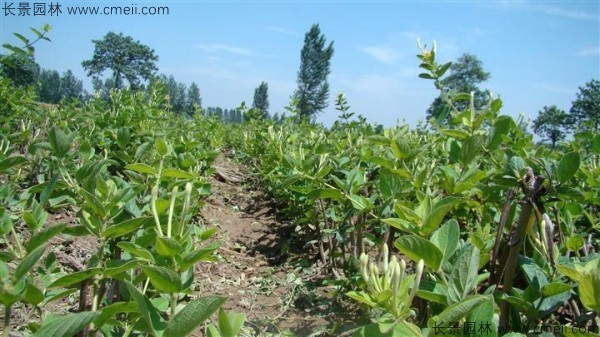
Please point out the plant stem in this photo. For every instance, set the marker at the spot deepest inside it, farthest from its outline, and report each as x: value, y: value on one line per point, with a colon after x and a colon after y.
x: 17, y: 241
x: 173, y: 305
x: 532, y: 187
x: 6, y: 321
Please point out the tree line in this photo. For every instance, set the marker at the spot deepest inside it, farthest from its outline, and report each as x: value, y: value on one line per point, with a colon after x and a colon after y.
x: 133, y: 64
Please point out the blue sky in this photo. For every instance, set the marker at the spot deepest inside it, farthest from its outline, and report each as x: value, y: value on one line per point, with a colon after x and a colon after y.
x: 538, y: 52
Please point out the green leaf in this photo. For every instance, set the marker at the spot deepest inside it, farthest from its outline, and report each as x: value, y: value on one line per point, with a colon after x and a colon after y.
x: 136, y: 250
x: 401, y: 329
x: 125, y: 227
x: 589, y: 290
x: 362, y: 297
x: 29, y: 261
x: 22, y: 38
x: 141, y: 168
x: 435, y: 218
x: 470, y: 149
x: 167, y: 247
x: 554, y: 288
x: 446, y: 238
x: 75, y: 278
x: 175, y: 173
x: 568, y: 166
x: 360, y: 203
x: 515, y: 166
x: 569, y: 272
x: 213, y: 331
x: 458, y: 134
x: 60, y: 142
x: 325, y: 193
x: 442, y: 69
x: 45, y: 196
x: 120, y: 266
x: 464, y: 275
x: 150, y: 314
x: 203, y: 254
x: 523, y: 306
x: 433, y: 292
x: 67, y: 325
x: 501, y: 128
x: 192, y: 315
x: 44, y: 235
x: 112, y: 310
x: 123, y: 136
x: 163, y: 279
x: 161, y: 146
x: 9, y: 162
x: 33, y: 295
x: 230, y: 324
x: 417, y: 248
x: 90, y: 170
x: 482, y: 318
x: 426, y: 76
x: 457, y: 311
x: 575, y: 243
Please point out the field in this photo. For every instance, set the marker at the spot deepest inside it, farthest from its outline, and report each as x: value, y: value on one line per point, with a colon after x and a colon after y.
x: 120, y: 218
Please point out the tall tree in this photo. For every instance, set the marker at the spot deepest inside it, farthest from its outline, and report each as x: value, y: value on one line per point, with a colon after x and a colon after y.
x: 21, y: 69
x: 261, y: 97
x: 585, y: 110
x: 70, y: 87
x: 48, y: 86
x: 552, y: 124
x: 193, y: 99
x: 313, y: 89
x: 128, y: 59
x: 464, y: 76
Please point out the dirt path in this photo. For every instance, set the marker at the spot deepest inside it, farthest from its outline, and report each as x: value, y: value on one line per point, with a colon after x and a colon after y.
x: 253, y: 272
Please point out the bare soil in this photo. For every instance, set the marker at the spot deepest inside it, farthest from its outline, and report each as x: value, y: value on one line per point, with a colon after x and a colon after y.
x: 256, y: 271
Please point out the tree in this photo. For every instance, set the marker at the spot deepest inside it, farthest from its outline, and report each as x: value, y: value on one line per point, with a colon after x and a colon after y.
x: 193, y: 100
x: 48, y: 86
x: 585, y: 110
x: 126, y: 58
x: 313, y: 89
x: 20, y: 69
x: 261, y: 97
x: 464, y: 76
x: 70, y: 87
x: 551, y: 123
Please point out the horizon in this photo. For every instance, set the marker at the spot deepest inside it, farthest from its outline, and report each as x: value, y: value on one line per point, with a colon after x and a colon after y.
x: 538, y: 53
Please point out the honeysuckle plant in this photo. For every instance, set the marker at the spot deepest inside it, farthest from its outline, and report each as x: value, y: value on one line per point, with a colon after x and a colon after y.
x: 390, y: 289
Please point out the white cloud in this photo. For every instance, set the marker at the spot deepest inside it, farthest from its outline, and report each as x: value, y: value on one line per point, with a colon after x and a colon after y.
x: 555, y: 88
x: 217, y: 48
x: 381, y: 53
x: 282, y: 30
x: 592, y: 51
x: 566, y: 13
x: 550, y: 10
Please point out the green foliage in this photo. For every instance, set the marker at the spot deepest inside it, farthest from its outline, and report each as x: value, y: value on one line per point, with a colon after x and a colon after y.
x: 464, y: 76
x: 585, y: 110
x: 552, y: 124
x: 313, y: 89
x: 193, y: 101
x: 261, y: 98
x: 128, y: 59
x: 484, y: 226
x: 22, y: 70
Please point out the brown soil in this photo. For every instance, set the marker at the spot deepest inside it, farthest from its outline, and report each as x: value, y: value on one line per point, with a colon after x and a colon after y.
x: 254, y: 272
